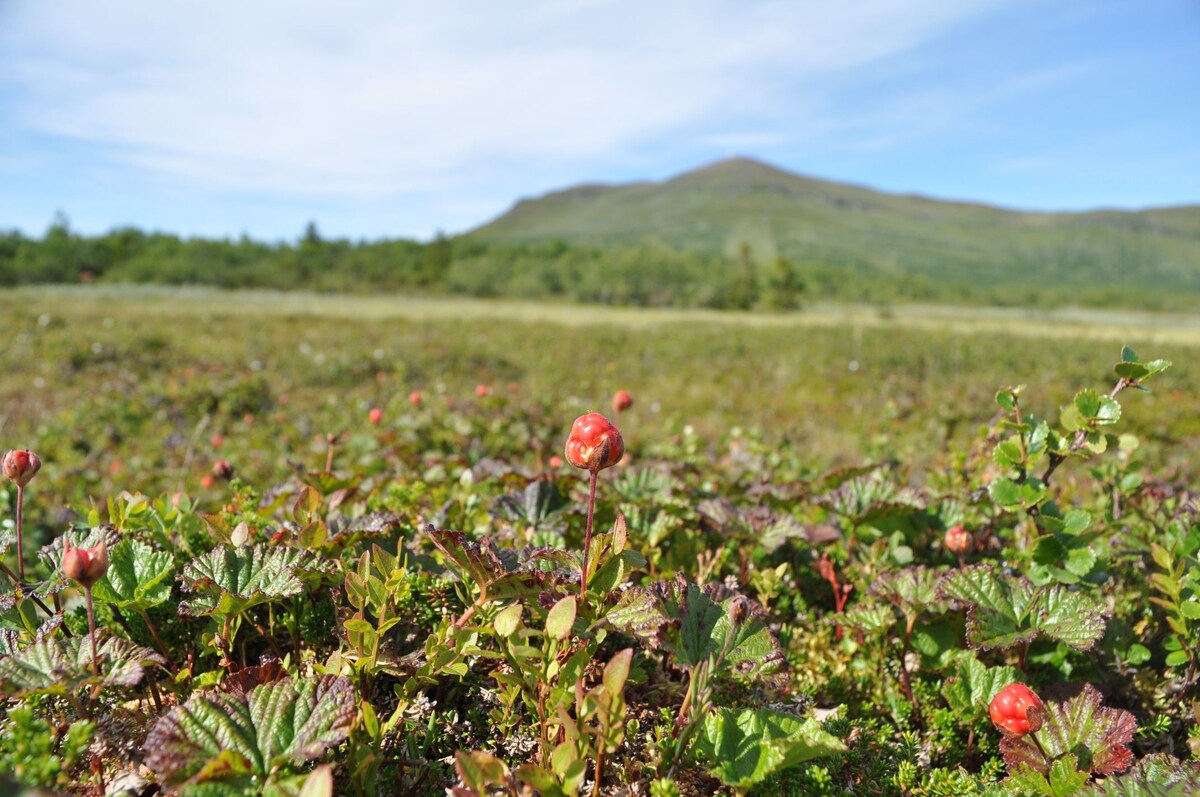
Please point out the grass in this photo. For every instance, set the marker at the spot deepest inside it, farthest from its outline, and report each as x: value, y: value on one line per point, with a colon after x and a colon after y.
x: 148, y: 367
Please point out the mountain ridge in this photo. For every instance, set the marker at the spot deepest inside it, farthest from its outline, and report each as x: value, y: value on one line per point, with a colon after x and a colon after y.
x: 743, y: 208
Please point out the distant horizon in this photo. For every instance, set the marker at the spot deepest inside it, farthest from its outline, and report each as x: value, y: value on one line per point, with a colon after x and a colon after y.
x: 597, y: 183
x: 384, y: 120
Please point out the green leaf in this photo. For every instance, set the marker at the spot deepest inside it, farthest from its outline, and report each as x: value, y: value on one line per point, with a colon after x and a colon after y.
x: 57, y: 666
x: 1088, y: 403
x: 1008, y: 453
x: 745, y: 747
x: 971, y: 689
x: 1003, y: 611
x: 1128, y: 355
x: 913, y: 590
x: 1156, y: 775
x: 507, y: 620
x: 138, y: 577
x: 276, y: 725
x: 1005, y: 492
x: 1109, y: 412
x: 1065, y: 777
x: 230, y: 580
x: 1005, y: 400
x: 560, y: 618
x: 868, y: 617
x: 1097, y: 735
x: 693, y: 624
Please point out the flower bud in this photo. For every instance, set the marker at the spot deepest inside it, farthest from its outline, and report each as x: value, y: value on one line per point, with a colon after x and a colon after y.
x: 85, y: 565
x: 739, y: 611
x: 594, y: 443
x: 21, y: 466
x: 222, y: 470
x: 621, y: 401
x: 1016, y: 710
x: 958, y: 540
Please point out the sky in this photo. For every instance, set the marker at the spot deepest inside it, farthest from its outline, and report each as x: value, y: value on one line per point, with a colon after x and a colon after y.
x: 390, y: 118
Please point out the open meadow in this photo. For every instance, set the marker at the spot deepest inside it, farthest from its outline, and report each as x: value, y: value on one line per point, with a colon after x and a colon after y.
x: 837, y: 533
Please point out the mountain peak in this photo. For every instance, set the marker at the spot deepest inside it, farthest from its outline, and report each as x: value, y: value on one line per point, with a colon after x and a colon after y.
x: 740, y: 168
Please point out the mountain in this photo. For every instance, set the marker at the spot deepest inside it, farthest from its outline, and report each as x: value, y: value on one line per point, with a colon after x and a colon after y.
x: 831, y: 232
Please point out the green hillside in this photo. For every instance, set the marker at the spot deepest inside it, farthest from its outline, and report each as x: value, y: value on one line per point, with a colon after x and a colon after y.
x: 837, y: 235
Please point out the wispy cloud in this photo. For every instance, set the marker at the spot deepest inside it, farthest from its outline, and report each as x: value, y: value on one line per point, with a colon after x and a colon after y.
x: 383, y: 98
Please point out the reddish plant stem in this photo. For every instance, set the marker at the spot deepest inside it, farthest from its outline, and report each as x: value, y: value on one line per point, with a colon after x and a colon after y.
x: 587, y: 536
x: 20, y: 549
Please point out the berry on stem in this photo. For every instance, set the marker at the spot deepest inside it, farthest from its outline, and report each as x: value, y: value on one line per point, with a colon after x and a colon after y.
x: 1016, y: 710
x: 87, y: 566
x: 958, y: 540
x: 21, y: 466
x: 621, y: 401
x: 594, y: 443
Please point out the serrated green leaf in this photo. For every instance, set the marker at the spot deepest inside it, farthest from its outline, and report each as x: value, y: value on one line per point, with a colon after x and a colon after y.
x: 1109, y: 412
x: 1065, y: 777
x: 745, y: 747
x: 1023, y: 781
x: 1156, y: 775
x: 693, y: 624
x: 913, y: 590
x: 230, y: 580
x: 1005, y: 492
x: 1071, y: 418
x: 870, y: 618
x: 1003, y: 611
x: 1080, y: 561
x: 57, y: 666
x: 278, y: 724
x: 138, y: 577
x: 1155, y: 367
x: 1081, y: 726
x: 971, y: 689
x: 1134, y: 372
x: 1007, y: 453
x: 1088, y: 403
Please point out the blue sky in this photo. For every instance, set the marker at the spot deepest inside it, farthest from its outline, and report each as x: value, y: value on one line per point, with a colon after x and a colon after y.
x: 387, y: 118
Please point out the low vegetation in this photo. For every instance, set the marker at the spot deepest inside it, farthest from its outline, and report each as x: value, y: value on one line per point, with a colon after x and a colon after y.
x: 327, y: 556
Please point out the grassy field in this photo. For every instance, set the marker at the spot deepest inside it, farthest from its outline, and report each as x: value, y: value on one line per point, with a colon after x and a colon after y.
x: 105, y: 379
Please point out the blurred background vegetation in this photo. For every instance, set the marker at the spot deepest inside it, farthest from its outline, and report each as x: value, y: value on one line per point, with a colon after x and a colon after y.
x: 738, y: 234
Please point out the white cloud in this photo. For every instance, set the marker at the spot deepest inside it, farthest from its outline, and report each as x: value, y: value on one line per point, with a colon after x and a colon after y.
x: 372, y: 99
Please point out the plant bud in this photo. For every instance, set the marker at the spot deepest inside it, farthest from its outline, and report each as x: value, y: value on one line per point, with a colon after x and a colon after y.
x: 594, y: 443
x: 21, y: 466
x: 85, y: 565
x: 1016, y: 710
x: 222, y: 470
x: 739, y: 611
x: 621, y: 401
x: 958, y: 540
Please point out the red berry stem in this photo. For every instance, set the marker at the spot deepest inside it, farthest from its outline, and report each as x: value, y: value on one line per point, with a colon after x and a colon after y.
x: 587, y: 536
x: 20, y: 550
